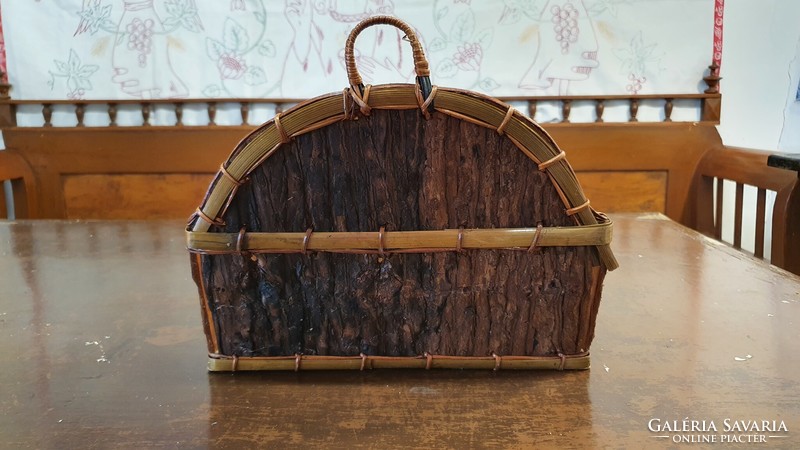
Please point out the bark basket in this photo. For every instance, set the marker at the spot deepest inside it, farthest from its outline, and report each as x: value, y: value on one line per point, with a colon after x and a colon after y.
x: 398, y: 226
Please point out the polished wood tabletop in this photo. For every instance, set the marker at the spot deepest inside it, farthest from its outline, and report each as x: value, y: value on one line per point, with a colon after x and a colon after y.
x: 103, y: 348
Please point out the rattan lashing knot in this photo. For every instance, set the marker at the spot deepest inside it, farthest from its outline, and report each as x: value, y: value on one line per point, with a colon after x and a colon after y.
x: 497, y: 360
x: 544, y: 165
x: 535, y: 241
x: 425, y: 103
x: 240, y: 242
x: 285, y: 138
x: 360, y: 99
x: 306, y: 238
x: 577, y: 209
x: 381, y: 250
x: 218, y: 222
x: 227, y: 175
x: 501, y: 129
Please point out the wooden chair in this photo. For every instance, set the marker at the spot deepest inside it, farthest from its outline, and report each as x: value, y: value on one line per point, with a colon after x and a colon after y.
x: 749, y: 167
x: 14, y: 168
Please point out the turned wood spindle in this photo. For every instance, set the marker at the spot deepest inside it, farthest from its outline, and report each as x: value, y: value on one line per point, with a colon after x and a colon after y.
x: 212, y: 113
x: 279, y: 108
x: 532, y: 109
x: 634, y: 110
x: 80, y: 112
x: 112, y: 114
x: 178, y: 114
x: 146, y: 114
x: 599, y: 108
x: 668, y: 110
x: 712, y: 79
x: 566, y: 108
x: 245, y: 110
x: 47, y: 113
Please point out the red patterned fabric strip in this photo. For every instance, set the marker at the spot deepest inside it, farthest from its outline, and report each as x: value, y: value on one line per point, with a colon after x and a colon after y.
x: 719, y: 8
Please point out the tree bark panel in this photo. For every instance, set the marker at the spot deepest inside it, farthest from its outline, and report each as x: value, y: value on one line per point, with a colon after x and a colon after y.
x: 394, y: 169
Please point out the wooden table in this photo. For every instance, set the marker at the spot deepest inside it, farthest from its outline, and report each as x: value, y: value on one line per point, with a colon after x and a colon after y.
x: 102, y: 347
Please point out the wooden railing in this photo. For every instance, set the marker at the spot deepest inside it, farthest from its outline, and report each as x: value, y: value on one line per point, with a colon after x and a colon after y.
x: 706, y: 105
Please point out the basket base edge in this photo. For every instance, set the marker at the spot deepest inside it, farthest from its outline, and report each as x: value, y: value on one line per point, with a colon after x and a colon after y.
x: 223, y: 363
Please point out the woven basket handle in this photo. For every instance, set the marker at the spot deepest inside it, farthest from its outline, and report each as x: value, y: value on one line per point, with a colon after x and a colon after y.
x: 420, y: 62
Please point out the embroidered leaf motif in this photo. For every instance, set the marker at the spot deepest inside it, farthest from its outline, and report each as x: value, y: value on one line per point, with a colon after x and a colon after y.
x: 76, y: 73
x: 94, y: 16
x: 86, y: 71
x: 463, y: 27
x: 610, y: 6
x: 74, y: 61
x: 62, y: 67
x: 173, y: 8
x: 212, y: 90
x: 488, y: 84
x: 446, y: 69
x: 171, y: 22
x: 182, y: 13
x: 254, y: 76
x: 484, y: 37
x: 267, y: 49
x: 83, y: 83
x: 437, y: 44
x: 215, y: 49
x: 192, y: 23
x: 638, y: 57
x: 510, y: 15
x: 235, y: 36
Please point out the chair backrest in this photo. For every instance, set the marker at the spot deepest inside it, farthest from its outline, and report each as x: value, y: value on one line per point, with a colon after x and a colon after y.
x: 746, y: 167
x: 16, y: 170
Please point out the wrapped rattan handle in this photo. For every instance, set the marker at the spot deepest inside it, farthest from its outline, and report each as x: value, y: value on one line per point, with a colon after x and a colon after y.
x: 420, y: 62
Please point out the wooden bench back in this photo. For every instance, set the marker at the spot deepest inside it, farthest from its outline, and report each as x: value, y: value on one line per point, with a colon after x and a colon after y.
x: 16, y: 170
x: 749, y: 168
x: 154, y: 171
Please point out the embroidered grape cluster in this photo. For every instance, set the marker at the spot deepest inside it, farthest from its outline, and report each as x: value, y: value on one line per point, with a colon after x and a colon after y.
x: 565, y: 24
x: 636, y: 84
x: 140, y: 38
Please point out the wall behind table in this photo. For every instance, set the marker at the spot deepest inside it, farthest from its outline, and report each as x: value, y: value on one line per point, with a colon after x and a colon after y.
x: 760, y: 75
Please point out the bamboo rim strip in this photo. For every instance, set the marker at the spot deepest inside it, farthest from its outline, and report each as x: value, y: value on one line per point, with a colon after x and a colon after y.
x: 400, y: 241
x: 222, y: 363
x: 325, y: 110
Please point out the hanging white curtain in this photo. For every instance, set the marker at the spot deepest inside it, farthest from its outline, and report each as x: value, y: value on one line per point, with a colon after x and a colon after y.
x: 118, y: 49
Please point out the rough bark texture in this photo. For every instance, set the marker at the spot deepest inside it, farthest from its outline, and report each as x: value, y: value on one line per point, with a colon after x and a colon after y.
x: 397, y: 170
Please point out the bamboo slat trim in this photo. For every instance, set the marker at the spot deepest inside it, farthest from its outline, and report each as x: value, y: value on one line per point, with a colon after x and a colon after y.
x: 222, y: 363
x: 400, y: 241
x: 204, y: 304
x: 471, y: 106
